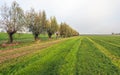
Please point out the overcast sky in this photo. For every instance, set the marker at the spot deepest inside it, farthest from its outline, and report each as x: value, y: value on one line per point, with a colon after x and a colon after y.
x: 86, y: 16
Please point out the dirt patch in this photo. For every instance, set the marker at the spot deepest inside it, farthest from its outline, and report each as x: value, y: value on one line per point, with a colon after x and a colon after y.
x: 9, y: 44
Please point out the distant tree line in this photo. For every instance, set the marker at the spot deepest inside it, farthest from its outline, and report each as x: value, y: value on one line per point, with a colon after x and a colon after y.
x: 14, y: 19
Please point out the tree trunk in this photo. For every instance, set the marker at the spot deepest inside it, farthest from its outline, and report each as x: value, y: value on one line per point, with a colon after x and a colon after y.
x: 10, y: 37
x: 36, y: 37
x: 56, y: 35
x: 50, y: 36
x: 11, y: 33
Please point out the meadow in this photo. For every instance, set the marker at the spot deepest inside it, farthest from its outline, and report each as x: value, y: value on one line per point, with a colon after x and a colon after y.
x: 81, y: 55
x: 22, y: 39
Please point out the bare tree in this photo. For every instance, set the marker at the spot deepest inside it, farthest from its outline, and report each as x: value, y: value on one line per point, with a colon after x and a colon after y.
x: 12, y: 19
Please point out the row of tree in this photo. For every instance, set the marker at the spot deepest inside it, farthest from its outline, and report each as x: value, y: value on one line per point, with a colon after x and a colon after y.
x: 14, y: 19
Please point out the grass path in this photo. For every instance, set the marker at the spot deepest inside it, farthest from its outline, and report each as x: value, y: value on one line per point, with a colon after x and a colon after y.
x: 115, y: 59
x: 69, y: 65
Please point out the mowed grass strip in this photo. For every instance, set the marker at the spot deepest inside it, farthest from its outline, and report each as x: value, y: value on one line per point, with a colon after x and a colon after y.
x: 111, y: 43
x: 41, y: 62
x: 110, y: 39
x: 13, y: 53
x: 23, y: 60
x: 115, y: 59
x: 69, y: 65
x: 91, y: 61
x: 49, y: 64
x: 13, y: 65
x: 112, y: 48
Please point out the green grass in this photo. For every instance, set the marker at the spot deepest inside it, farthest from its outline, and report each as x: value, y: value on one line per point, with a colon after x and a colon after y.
x: 23, y: 39
x: 114, y: 59
x: 49, y: 64
x: 93, y: 62
x: 84, y: 55
x: 109, y: 39
x: 70, y: 61
x: 47, y: 57
x: 113, y: 48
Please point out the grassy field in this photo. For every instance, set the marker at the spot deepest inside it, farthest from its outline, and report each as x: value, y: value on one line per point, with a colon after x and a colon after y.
x: 82, y: 55
x: 22, y: 39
